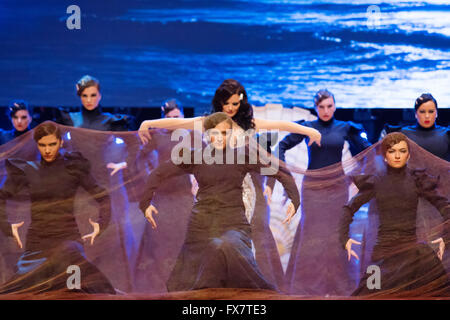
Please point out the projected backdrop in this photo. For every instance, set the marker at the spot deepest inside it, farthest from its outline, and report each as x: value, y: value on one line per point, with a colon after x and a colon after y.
x: 370, y: 53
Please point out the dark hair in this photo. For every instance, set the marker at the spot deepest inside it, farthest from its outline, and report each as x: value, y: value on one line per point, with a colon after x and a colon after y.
x: 391, y: 139
x: 244, y: 116
x: 46, y: 128
x: 214, y: 119
x: 17, y: 105
x: 170, y: 105
x: 86, y: 82
x: 321, y: 95
x: 424, y: 97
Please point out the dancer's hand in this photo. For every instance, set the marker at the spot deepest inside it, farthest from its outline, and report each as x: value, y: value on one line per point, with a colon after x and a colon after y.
x: 268, y: 193
x: 290, y: 212
x: 116, y: 167
x: 314, y: 136
x: 15, y: 231
x: 348, y: 247
x: 194, y: 187
x: 352, y: 190
x: 93, y: 234
x: 440, y: 252
x: 149, y: 215
x: 144, y: 135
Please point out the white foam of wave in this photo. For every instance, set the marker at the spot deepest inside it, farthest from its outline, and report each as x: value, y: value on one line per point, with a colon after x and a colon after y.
x: 380, y: 77
x: 407, y: 20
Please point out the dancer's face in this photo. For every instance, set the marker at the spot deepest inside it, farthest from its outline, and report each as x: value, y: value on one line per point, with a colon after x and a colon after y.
x: 49, y: 147
x: 325, y: 109
x: 175, y: 113
x: 426, y: 114
x: 398, y: 155
x: 219, y: 135
x: 21, y: 120
x: 231, y: 106
x: 90, y: 98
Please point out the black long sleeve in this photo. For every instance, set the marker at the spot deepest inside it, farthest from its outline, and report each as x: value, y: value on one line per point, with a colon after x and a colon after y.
x: 80, y: 165
x: 427, y: 186
x: 164, y: 171
x: 288, y: 142
x: 101, y: 196
x: 355, y: 138
x: 279, y: 172
x: 5, y: 227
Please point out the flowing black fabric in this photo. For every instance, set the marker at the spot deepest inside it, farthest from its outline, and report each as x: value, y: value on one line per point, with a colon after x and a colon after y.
x: 218, y: 225
x: 266, y: 251
x: 405, y: 264
x: 116, y: 150
x: 191, y: 228
x: 314, y: 269
x: 174, y: 200
x: 436, y: 140
x: 51, y: 242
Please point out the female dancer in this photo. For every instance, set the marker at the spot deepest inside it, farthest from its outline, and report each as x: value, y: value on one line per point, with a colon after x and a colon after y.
x: 174, y: 201
x: 217, y: 248
x: 307, y: 272
x: 434, y: 139
x: 53, y: 241
x: 20, y: 115
x: 114, y: 152
x: 407, y: 267
x: 425, y: 132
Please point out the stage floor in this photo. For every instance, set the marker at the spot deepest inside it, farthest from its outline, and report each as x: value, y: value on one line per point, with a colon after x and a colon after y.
x: 204, y: 294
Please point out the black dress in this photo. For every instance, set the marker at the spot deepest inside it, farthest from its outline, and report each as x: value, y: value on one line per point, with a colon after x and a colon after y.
x: 316, y: 266
x: 406, y: 265
x: 174, y: 201
x: 8, y: 250
x: 116, y: 149
x: 8, y: 135
x: 435, y: 139
x: 217, y: 248
x: 53, y: 240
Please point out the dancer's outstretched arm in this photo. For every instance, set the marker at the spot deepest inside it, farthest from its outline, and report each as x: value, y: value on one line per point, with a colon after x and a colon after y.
x: 365, y: 184
x: 163, y: 172
x: 313, y: 134
x: 428, y: 188
x: 169, y: 123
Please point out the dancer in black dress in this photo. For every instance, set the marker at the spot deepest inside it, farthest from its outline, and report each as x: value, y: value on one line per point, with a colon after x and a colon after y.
x: 53, y: 242
x: 20, y: 115
x: 91, y: 116
x: 309, y: 270
x: 426, y: 133
x: 436, y: 140
x: 114, y: 151
x: 407, y: 266
x: 231, y: 98
x: 217, y: 248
